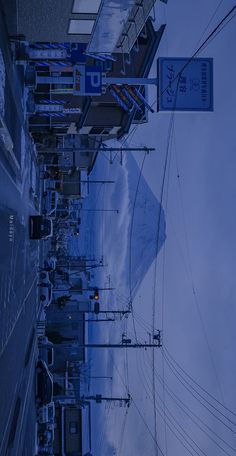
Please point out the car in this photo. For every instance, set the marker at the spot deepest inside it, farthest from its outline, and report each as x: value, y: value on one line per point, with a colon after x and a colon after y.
x: 50, y: 263
x: 46, y: 438
x: 40, y: 227
x: 46, y: 286
x: 46, y: 350
x: 46, y: 414
x: 44, y: 384
x: 50, y: 202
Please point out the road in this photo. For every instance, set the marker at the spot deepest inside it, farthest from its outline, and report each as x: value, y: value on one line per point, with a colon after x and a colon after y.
x: 19, y: 261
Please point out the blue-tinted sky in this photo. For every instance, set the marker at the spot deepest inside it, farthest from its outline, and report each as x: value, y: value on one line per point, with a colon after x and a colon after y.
x: 192, y: 285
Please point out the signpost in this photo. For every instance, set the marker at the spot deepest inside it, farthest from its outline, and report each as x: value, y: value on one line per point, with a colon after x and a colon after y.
x: 185, y: 84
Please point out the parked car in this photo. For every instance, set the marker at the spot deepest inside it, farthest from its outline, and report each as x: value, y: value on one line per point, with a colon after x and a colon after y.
x: 46, y: 350
x: 40, y: 227
x: 50, y: 263
x: 46, y: 414
x: 44, y: 384
x: 50, y: 202
x: 45, y: 439
x: 45, y: 288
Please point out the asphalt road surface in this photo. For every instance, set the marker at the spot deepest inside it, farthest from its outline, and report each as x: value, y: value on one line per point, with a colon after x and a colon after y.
x: 19, y: 262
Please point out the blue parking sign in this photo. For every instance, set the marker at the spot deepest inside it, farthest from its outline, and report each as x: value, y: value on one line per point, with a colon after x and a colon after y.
x: 93, y: 80
x: 87, y: 80
x: 185, y: 84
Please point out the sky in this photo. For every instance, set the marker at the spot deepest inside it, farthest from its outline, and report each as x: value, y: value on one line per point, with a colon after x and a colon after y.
x: 190, y: 289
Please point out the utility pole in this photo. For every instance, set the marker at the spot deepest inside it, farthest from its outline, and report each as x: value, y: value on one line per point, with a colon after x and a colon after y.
x: 130, y: 81
x: 95, y: 149
x: 85, y: 289
x: 72, y: 320
x: 100, y: 210
x: 127, y: 149
x: 84, y: 181
x: 98, y: 398
x: 114, y: 312
x: 125, y: 343
x: 100, y: 376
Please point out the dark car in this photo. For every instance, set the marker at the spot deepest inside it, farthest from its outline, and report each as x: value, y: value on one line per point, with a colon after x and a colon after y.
x: 44, y: 388
x: 40, y: 227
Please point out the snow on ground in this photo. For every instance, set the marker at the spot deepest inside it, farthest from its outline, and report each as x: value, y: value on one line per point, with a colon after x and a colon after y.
x: 2, y: 85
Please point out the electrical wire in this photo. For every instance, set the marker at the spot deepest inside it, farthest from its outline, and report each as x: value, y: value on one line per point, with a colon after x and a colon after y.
x: 171, y: 421
x: 138, y: 410
x: 203, y: 46
x: 196, y: 383
x: 184, y: 406
x: 195, y: 297
x: 189, y: 412
x: 190, y: 389
x: 209, y: 22
x: 130, y: 244
x: 122, y: 433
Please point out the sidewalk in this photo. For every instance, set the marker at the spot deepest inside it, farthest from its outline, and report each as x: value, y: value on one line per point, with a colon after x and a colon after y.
x: 21, y: 161
x: 14, y: 98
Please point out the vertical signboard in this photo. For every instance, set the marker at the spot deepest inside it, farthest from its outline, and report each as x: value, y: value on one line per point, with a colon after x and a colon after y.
x: 185, y: 84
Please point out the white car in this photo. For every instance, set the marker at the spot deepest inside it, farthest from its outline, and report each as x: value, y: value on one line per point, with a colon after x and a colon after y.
x: 45, y: 286
x: 46, y: 350
x: 51, y: 262
x: 46, y: 413
x: 50, y: 202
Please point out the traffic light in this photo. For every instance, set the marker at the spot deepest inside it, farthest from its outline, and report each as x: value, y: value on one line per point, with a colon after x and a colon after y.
x: 95, y: 295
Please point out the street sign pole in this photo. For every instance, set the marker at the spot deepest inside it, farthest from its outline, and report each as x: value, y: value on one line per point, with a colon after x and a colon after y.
x: 129, y: 81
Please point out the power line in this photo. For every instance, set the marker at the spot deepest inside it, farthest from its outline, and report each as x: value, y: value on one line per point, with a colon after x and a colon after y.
x: 130, y: 243
x: 195, y: 297
x: 184, y: 407
x: 209, y: 22
x: 209, y: 38
x: 171, y: 420
x: 139, y: 412
x: 196, y: 383
x: 191, y: 389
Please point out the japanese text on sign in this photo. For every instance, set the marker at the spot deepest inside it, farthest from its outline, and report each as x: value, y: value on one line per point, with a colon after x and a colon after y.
x: 185, y: 85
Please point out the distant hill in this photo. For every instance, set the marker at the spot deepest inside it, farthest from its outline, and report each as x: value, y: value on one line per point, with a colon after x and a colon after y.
x: 133, y: 243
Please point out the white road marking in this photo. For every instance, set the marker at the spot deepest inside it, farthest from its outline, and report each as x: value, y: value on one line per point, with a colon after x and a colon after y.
x: 1, y: 285
x: 9, y: 416
x: 29, y: 385
x: 9, y: 176
x: 18, y: 316
x: 5, y: 292
x: 13, y: 272
x: 32, y: 207
x: 16, y: 387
